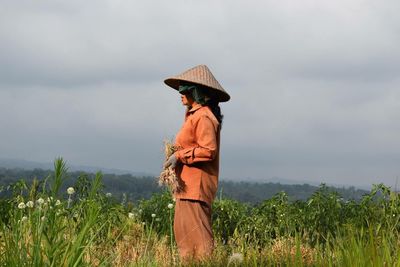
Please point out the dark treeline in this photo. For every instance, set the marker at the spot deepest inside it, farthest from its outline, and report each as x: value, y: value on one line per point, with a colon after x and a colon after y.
x: 126, y: 186
x: 130, y: 188
x: 252, y: 192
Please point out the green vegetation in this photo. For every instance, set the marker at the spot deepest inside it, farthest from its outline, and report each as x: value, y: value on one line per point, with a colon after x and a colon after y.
x: 44, y: 223
x: 133, y: 189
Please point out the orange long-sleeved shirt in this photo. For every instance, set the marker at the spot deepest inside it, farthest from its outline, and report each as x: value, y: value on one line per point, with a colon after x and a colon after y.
x: 198, y: 141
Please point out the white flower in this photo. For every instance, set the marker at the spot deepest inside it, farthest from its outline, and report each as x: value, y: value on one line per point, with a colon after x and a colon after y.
x: 70, y: 190
x: 235, y: 258
x: 131, y: 215
x: 170, y: 205
x: 40, y: 201
x: 153, y: 215
x: 143, y: 223
x: 24, y: 219
x: 21, y: 205
x: 58, y: 202
x: 108, y: 195
x: 43, y: 218
x: 30, y: 204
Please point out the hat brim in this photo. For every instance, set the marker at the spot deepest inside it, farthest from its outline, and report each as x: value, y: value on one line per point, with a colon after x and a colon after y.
x: 174, y: 83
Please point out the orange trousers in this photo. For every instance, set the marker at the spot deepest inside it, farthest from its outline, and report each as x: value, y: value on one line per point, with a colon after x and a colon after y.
x: 192, y: 229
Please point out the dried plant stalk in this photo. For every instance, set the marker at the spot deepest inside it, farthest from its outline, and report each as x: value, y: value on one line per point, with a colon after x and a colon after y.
x: 168, y: 176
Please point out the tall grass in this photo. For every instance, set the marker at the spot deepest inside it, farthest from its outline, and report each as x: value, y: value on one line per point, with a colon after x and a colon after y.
x: 47, y: 232
x: 41, y: 226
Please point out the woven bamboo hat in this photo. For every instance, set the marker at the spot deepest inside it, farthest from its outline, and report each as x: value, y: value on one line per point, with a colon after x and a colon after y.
x: 200, y: 75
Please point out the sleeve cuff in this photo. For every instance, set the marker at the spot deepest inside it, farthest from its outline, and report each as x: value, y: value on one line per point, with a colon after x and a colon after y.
x: 185, y: 155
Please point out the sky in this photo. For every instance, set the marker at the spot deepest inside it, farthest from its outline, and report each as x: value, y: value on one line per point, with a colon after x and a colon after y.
x: 314, y: 84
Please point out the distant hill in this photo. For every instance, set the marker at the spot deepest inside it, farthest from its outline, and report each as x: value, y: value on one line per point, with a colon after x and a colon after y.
x: 31, y: 165
x: 255, y: 192
x: 286, y: 181
x: 135, y: 188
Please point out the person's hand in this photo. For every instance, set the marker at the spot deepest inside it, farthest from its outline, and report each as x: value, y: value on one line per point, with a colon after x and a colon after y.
x: 171, y: 162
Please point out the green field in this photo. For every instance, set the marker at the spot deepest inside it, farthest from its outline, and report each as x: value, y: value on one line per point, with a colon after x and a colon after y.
x: 42, y: 225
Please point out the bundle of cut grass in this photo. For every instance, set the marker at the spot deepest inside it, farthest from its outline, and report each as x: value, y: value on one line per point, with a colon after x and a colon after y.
x: 168, y: 176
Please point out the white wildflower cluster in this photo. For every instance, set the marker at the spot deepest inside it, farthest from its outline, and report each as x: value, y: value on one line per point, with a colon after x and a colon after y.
x: 170, y: 205
x: 131, y: 215
x: 108, y: 194
x: 153, y: 215
x: 40, y: 201
x: 30, y: 204
x: 70, y: 190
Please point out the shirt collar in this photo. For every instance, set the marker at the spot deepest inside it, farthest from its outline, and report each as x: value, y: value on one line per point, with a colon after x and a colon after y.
x: 194, y: 108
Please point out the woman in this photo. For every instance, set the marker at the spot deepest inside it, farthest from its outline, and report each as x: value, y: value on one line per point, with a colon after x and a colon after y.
x: 196, y: 162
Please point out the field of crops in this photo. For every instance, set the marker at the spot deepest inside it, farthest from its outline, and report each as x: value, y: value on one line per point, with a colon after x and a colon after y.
x: 85, y: 226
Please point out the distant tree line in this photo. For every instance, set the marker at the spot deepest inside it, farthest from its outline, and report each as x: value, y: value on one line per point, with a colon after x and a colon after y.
x: 131, y: 188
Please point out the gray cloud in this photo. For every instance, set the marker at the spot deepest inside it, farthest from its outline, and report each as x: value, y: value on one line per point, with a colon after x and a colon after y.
x: 314, y: 84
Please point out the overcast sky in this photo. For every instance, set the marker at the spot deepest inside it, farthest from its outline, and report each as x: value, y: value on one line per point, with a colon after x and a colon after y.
x: 315, y: 84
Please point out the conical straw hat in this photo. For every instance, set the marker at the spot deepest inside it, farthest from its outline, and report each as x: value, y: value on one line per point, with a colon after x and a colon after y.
x: 199, y: 75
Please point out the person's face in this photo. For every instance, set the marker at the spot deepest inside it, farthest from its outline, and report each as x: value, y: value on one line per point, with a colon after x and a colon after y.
x: 187, y: 100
